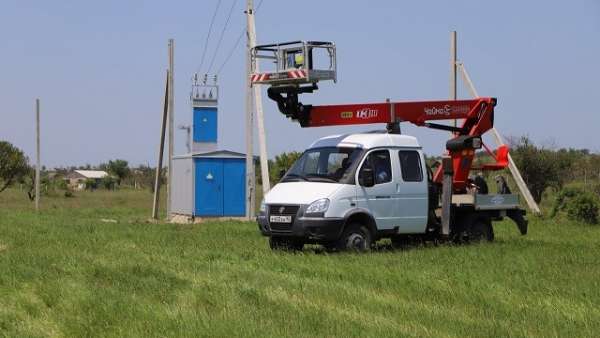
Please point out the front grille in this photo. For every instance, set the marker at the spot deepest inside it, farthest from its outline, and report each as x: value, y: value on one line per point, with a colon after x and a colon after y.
x: 283, y: 210
x: 281, y: 227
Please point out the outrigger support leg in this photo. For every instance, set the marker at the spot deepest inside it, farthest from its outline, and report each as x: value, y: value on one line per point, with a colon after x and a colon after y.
x: 289, y: 104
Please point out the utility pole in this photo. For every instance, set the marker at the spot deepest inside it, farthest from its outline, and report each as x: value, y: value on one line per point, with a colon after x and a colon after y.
x: 260, y: 120
x: 38, y: 160
x: 171, y: 126
x: 161, y: 150
x: 514, y: 170
x: 453, y: 79
x: 250, y: 177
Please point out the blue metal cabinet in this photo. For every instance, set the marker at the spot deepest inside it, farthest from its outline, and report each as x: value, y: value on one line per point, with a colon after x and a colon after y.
x: 234, y: 192
x: 220, y: 188
x: 205, y: 124
x: 209, y: 187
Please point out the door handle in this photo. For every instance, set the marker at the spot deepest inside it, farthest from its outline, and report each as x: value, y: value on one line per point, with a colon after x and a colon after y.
x: 382, y: 197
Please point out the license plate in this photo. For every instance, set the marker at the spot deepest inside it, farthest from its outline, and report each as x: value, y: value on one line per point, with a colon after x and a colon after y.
x: 281, y: 219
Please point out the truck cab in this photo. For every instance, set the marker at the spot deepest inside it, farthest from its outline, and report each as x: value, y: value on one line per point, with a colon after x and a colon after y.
x: 347, y: 191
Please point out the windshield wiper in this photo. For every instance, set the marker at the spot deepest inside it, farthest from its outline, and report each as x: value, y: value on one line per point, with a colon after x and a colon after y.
x: 293, y: 175
x: 325, y: 178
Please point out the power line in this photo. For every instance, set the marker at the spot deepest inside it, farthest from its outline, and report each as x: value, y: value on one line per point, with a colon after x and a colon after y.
x: 237, y: 43
x: 231, y: 51
x: 212, y: 60
x: 212, y: 21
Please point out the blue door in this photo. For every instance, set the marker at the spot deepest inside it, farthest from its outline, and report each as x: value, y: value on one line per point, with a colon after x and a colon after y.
x: 205, y: 124
x: 209, y: 187
x: 234, y: 187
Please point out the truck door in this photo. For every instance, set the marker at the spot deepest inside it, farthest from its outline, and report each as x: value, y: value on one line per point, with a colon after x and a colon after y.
x: 411, y: 191
x: 378, y: 199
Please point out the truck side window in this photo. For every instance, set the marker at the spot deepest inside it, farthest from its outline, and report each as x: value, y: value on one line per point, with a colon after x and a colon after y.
x: 410, y: 165
x: 379, y: 160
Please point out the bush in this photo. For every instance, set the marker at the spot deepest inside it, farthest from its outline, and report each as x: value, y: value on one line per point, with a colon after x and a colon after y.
x: 91, y: 184
x: 583, y: 207
x: 596, y: 189
x: 108, y: 183
x: 69, y: 194
x: 563, y: 198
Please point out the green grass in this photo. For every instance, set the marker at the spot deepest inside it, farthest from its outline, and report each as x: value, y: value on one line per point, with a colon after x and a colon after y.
x: 66, y: 273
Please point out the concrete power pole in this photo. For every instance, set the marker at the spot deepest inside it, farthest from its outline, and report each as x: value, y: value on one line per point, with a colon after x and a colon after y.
x: 171, y: 126
x: 38, y: 160
x: 260, y: 120
x: 250, y: 177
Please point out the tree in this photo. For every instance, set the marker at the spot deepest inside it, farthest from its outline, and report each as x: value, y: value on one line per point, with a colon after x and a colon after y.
x: 13, y: 164
x: 108, y: 182
x: 541, y: 168
x: 118, y: 168
x: 28, y: 180
x: 282, y: 163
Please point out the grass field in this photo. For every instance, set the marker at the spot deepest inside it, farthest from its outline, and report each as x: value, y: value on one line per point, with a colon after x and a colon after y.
x: 67, y: 273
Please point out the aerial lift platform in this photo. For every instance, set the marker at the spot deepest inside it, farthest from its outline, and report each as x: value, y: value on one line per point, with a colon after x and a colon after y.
x: 298, y: 66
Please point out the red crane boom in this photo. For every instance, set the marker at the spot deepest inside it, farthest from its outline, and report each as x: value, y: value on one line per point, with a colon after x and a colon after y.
x: 477, y: 117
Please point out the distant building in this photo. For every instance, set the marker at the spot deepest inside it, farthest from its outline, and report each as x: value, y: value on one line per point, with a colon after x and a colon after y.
x: 77, y: 178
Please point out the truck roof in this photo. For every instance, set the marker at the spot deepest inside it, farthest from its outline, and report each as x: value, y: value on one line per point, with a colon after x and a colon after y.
x: 367, y: 140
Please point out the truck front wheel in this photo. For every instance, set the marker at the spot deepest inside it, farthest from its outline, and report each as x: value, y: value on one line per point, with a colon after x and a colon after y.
x: 355, y: 237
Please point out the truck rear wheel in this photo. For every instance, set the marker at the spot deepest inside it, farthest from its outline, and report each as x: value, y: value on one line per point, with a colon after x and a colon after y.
x: 480, y: 229
x: 285, y: 244
x: 355, y: 237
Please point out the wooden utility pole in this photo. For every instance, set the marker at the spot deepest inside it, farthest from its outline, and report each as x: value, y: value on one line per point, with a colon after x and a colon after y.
x: 38, y: 158
x: 453, y: 79
x: 161, y: 148
x: 516, y: 174
x: 171, y: 125
x: 250, y: 177
x: 260, y: 120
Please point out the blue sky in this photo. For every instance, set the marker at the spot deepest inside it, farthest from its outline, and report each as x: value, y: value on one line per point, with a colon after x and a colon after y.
x: 99, y: 66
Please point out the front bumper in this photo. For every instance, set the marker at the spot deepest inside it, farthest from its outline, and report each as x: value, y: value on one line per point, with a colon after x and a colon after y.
x: 317, y: 229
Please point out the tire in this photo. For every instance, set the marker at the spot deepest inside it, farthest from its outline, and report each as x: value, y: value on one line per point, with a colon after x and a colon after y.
x: 330, y: 246
x: 355, y: 237
x: 480, y: 230
x: 285, y: 244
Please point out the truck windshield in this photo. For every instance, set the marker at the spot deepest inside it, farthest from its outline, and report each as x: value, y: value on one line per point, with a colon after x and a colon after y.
x: 328, y: 164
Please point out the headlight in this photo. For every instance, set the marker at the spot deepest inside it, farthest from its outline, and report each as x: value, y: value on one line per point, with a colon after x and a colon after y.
x: 263, y: 207
x: 318, y: 206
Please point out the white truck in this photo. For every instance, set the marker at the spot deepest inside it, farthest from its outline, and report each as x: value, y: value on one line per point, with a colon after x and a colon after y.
x: 348, y: 191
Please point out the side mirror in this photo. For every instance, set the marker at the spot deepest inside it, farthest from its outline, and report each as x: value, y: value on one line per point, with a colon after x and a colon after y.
x: 366, y: 177
x: 281, y: 173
